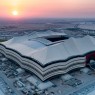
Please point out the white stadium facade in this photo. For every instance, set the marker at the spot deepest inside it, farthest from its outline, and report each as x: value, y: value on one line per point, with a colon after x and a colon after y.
x: 49, y: 54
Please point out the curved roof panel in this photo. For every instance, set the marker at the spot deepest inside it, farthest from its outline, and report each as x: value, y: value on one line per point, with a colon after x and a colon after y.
x: 62, y: 50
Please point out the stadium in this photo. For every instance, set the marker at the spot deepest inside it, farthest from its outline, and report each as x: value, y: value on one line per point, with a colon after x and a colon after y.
x: 49, y: 54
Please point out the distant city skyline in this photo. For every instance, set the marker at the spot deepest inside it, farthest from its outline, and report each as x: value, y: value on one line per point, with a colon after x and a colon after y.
x: 15, y: 9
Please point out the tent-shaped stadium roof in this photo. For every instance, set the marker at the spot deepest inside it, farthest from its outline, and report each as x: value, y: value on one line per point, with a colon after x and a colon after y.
x: 47, y: 57
x: 60, y: 51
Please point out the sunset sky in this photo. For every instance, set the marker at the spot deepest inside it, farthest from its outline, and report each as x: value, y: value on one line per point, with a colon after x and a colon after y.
x: 47, y: 8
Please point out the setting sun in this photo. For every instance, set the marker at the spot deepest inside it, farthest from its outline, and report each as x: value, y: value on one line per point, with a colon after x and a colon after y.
x: 15, y: 13
x: 47, y: 9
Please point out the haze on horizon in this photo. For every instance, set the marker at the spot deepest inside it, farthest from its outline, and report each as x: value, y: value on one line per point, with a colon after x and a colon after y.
x: 47, y: 9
